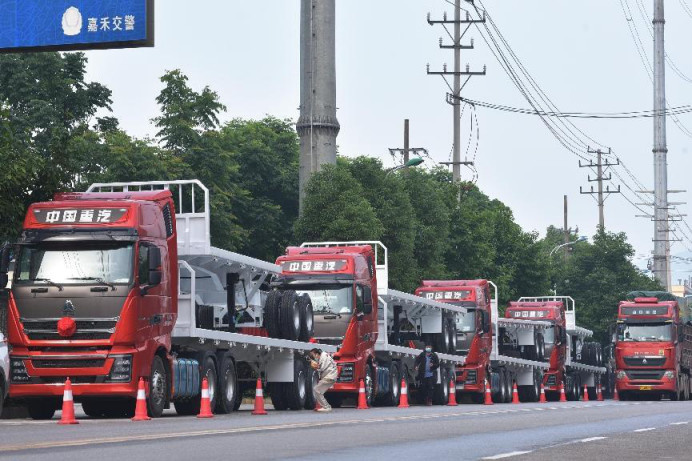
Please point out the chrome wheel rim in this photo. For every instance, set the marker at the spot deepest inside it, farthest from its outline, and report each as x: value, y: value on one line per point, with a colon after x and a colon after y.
x: 230, y: 386
x: 157, y: 388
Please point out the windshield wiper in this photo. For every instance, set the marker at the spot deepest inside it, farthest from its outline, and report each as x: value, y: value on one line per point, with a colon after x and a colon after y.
x: 49, y: 282
x: 97, y: 280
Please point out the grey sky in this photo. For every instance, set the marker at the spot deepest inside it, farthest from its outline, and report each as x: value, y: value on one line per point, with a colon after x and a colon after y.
x: 580, y: 52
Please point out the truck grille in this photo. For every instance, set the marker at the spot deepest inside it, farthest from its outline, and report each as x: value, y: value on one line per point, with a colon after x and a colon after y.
x: 70, y: 363
x: 47, y: 329
x: 645, y: 374
x: 639, y: 361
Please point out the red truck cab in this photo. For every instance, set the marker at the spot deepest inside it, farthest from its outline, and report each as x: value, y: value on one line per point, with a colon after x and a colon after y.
x: 473, y: 332
x: 342, y: 284
x: 648, y: 348
x: 552, y: 338
x: 93, y: 298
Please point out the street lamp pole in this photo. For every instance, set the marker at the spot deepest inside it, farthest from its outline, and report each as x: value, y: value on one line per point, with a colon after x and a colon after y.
x: 580, y: 239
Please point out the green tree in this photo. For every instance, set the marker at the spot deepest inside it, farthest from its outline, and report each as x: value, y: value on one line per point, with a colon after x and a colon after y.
x: 185, y: 113
x: 48, y: 104
x: 335, y: 209
x: 390, y: 201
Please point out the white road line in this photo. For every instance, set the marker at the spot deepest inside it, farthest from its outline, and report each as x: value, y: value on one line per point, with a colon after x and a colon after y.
x: 507, y: 455
x: 680, y: 423
x: 646, y: 429
x: 591, y: 439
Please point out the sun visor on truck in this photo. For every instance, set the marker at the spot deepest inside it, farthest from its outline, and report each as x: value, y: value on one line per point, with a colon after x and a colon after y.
x: 659, y: 295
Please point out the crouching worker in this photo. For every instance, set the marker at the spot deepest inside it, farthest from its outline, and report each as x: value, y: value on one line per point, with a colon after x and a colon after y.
x: 327, y: 372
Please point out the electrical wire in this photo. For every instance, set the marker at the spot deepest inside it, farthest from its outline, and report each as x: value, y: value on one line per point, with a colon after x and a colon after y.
x: 614, y: 115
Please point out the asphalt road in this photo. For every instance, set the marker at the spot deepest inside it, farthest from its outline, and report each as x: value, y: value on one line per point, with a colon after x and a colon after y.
x: 573, y: 430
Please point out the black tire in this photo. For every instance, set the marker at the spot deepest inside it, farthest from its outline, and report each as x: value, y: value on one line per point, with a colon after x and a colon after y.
x: 541, y: 348
x: 296, y: 391
x: 369, y: 382
x: 391, y: 398
x: 93, y: 409
x: 441, y: 393
x: 335, y: 400
x: 307, y: 321
x: 158, y: 388
x: 271, y: 314
x: 290, y: 316
x: 41, y: 409
x: 209, y: 371
x: 497, y: 386
x: 313, y: 379
x: 239, y: 396
x: 508, y: 386
x: 593, y: 394
x: 187, y: 407
x: 227, y: 386
x: 441, y: 340
x: 278, y: 396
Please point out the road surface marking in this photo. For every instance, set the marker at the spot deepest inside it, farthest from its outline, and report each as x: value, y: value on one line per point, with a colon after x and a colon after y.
x: 507, y: 455
x: 646, y: 429
x: 591, y: 439
x: 680, y: 423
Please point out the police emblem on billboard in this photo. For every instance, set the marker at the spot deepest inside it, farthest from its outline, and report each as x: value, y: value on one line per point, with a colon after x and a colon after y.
x: 68, y: 309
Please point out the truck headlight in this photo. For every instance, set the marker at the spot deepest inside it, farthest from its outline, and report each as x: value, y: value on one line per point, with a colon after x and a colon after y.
x: 670, y: 374
x: 621, y: 375
x: 121, y: 371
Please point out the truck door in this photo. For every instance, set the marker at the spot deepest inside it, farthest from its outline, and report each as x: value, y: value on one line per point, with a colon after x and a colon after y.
x: 367, y: 326
x: 151, y: 299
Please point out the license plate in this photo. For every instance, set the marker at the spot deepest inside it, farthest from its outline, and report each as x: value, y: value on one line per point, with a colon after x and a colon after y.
x: 644, y: 388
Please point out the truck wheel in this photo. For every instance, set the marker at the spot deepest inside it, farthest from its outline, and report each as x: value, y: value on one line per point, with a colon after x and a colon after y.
x: 541, y: 348
x: 307, y: 325
x: 441, y: 393
x: 335, y: 400
x: 41, y: 408
x: 369, y: 382
x: 227, y: 386
x: 158, y: 388
x: 508, y: 386
x: 441, y: 340
x: 313, y: 379
x: 271, y: 314
x: 93, y: 409
x: 290, y: 316
x: 392, y: 397
x: 296, y: 392
x: 278, y: 396
x: 496, y: 386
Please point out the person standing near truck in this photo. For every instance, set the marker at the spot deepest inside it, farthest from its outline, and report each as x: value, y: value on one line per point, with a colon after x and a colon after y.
x: 327, y: 372
x: 426, y: 366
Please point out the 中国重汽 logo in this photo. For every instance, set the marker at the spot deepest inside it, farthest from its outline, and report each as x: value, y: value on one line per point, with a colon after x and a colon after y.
x: 72, y: 21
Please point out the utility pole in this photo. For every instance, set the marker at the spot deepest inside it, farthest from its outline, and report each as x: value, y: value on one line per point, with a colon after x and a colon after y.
x: 565, y: 250
x: 406, y: 145
x: 407, y: 150
x: 660, y: 150
x: 601, y: 194
x: 317, y: 125
x: 454, y: 97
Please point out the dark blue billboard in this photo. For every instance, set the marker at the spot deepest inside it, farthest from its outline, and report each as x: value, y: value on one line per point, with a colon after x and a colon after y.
x: 75, y: 24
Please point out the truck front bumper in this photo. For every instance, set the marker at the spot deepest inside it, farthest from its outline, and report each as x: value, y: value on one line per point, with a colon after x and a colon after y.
x: 664, y: 384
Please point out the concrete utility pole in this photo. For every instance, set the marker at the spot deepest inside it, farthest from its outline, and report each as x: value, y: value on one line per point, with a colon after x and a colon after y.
x: 661, y: 224
x: 317, y: 125
x: 407, y: 150
x: 601, y: 194
x: 565, y: 250
x: 454, y: 97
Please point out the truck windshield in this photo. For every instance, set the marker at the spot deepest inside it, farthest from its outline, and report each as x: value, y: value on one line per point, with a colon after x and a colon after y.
x: 332, y: 299
x: 81, y: 263
x: 645, y: 333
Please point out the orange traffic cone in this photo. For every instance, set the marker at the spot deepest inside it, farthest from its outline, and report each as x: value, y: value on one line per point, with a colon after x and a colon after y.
x: 600, y: 394
x: 586, y: 394
x: 205, y: 403
x: 67, y: 405
x: 362, y: 401
x: 488, y: 395
x: 616, y: 397
x: 403, y: 399
x: 542, y: 399
x: 259, y: 400
x: 141, y: 408
x: 515, y: 394
x: 452, y: 394
x: 563, y: 397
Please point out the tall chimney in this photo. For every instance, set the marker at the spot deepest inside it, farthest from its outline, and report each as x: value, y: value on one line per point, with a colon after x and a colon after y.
x: 317, y: 126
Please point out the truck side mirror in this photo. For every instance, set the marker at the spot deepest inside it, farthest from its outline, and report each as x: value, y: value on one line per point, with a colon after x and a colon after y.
x: 4, y: 266
x: 485, y: 322
x: 367, y: 300
x: 154, y: 266
x: 563, y: 336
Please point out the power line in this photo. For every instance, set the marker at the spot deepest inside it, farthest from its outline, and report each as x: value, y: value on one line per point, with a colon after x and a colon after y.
x: 586, y: 115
